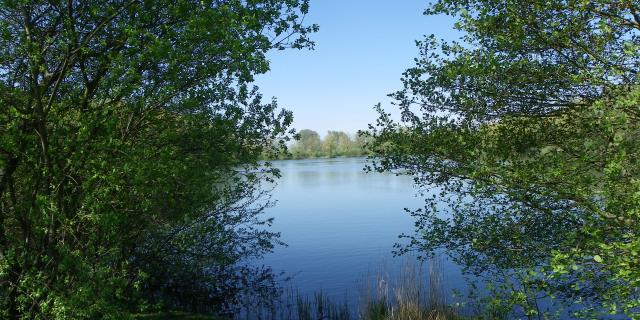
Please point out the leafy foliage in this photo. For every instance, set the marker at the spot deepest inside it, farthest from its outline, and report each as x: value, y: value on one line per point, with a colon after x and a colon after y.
x: 523, y: 141
x: 125, y: 124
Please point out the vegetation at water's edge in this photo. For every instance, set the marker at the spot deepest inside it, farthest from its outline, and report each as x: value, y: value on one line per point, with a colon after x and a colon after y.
x: 308, y: 144
x: 416, y: 293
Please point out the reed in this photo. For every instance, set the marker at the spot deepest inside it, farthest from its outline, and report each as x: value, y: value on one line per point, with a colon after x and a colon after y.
x: 417, y: 293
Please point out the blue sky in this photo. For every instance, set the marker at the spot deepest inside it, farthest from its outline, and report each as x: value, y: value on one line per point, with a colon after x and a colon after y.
x: 361, y: 50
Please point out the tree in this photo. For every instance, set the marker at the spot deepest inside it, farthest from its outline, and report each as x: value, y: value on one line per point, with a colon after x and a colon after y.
x: 201, y: 266
x: 527, y: 133
x: 362, y: 140
x: 124, y: 122
x: 308, y: 144
x: 336, y: 143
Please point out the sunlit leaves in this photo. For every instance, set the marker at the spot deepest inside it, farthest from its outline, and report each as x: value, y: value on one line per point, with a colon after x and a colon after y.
x: 527, y: 130
x: 121, y: 120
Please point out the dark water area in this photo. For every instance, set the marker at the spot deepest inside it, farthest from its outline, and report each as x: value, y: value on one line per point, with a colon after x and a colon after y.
x: 340, y: 224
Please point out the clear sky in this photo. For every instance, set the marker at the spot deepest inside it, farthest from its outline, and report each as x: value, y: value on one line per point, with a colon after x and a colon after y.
x: 362, y: 48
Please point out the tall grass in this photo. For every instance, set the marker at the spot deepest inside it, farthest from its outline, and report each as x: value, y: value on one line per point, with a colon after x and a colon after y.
x: 417, y: 293
x: 294, y: 306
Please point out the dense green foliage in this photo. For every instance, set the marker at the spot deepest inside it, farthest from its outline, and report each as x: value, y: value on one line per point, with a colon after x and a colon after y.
x: 335, y: 144
x: 129, y: 141
x: 524, y: 140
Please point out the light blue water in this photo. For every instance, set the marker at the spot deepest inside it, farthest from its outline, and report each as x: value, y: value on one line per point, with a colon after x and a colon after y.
x: 340, y: 225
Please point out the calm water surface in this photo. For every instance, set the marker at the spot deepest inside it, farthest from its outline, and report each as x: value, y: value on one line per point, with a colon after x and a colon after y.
x: 340, y: 225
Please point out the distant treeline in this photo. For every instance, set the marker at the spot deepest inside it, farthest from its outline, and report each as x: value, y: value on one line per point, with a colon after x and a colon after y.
x: 335, y: 144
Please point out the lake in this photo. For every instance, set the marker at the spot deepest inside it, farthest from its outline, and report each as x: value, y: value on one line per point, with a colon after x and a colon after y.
x: 340, y: 224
